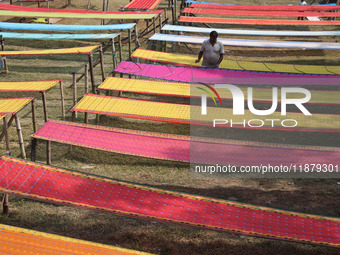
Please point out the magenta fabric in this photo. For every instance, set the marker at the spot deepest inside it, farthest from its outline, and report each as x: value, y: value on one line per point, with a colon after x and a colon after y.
x: 221, y: 76
x: 137, y: 143
x: 184, y: 148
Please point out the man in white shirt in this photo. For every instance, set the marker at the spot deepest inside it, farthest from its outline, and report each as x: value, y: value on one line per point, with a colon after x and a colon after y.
x: 212, y: 52
x: 302, y: 3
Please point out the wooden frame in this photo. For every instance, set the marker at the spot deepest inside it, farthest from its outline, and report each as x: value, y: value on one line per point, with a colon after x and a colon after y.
x: 43, y: 97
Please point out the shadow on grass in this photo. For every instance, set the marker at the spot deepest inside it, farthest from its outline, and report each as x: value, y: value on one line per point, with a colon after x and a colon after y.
x: 47, y: 69
x: 55, y: 57
x: 61, y: 152
x: 302, y: 198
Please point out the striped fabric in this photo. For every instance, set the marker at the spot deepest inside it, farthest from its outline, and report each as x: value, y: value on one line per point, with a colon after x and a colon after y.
x: 258, y: 21
x: 118, y: 16
x: 187, y: 60
x: 11, y: 7
x: 178, y: 147
x: 54, y: 27
x: 13, y: 105
x: 24, y: 11
x: 267, y: 7
x: 11, y: 35
x: 168, y: 27
x: 246, y: 43
x: 223, y: 76
x: 124, y: 141
x: 59, y: 186
x: 260, y: 13
x: 143, y: 4
x: 191, y: 114
x: 185, y: 90
x: 177, y: 113
x: 200, y: 2
x: 77, y: 50
x: 22, y: 241
x: 146, y: 86
x: 26, y: 86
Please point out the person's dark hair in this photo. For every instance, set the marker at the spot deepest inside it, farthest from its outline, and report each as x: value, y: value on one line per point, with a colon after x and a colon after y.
x: 213, y: 34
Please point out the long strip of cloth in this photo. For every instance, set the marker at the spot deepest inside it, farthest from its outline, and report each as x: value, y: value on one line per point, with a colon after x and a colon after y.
x: 56, y: 185
x: 184, y: 90
x: 206, y: 30
x: 22, y: 241
x: 10, y: 7
x: 76, y: 50
x: 57, y: 27
x: 258, y: 21
x: 260, y: 13
x: 246, y: 43
x: 266, y: 7
x: 184, y: 148
x: 191, y: 114
x: 40, y: 36
x: 221, y: 76
x: 189, y: 60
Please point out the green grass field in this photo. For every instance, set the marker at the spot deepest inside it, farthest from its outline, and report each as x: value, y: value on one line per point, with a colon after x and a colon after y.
x: 306, y: 195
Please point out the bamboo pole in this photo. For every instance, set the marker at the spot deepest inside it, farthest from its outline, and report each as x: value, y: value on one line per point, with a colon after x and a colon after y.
x: 120, y: 48
x: 175, y: 11
x: 3, y: 49
x: 8, y: 125
x: 5, y: 206
x: 48, y: 152
x: 101, y: 62
x: 74, y: 113
x: 165, y: 17
x: 160, y: 23
x: 154, y: 25
x: 86, y: 79
x: 33, y: 149
x: 21, y: 140
x: 34, y: 118
x: 43, y: 95
x: 62, y: 99
x: 6, y: 135
x: 86, y: 119
x: 103, y: 21
x: 129, y: 35
x: 136, y: 35
x: 114, y: 64
x: 107, y: 5
x: 91, y: 72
